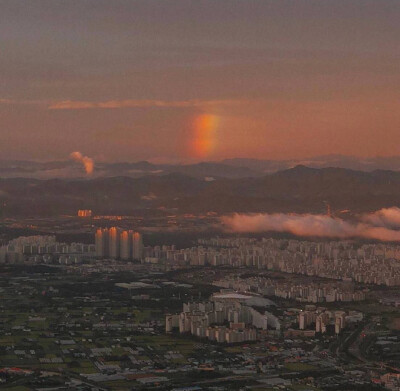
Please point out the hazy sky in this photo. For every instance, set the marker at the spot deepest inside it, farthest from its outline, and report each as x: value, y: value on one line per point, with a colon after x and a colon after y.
x: 182, y: 80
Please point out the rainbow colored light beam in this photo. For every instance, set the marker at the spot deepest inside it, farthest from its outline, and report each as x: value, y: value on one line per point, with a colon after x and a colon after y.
x: 205, y: 135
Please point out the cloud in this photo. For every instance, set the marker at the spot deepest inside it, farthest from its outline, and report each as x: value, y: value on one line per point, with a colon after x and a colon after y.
x: 371, y: 226
x: 87, y: 162
x: 120, y: 104
x: 386, y: 217
x: 132, y: 103
x: 149, y: 197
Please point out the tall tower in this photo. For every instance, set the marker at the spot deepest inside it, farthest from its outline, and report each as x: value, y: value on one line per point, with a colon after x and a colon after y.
x: 126, y: 245
x: 114, y: 240
x: 328, y: 208
x: 102, y: 242
x: 137, y: 248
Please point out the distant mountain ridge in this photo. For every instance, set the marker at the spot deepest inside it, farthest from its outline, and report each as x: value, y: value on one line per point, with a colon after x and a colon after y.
x: 338, y: 161
x: 228, y: 168
x: 300, y: 189
x: 69, y: 169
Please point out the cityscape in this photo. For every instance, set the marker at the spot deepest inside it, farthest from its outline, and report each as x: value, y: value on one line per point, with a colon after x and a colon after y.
x: 255, y: 313
x: 199, y: 195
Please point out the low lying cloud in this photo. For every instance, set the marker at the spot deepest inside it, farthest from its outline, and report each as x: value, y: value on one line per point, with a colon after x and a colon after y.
x: 386, y: 217
x: 124, y: 103
x: 378, y: 225
x: 118, y: 104
x: 149, y: 197
x: 88, y: 163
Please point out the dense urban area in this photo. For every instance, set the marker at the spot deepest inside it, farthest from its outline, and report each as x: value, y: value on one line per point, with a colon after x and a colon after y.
x: 113, y: 312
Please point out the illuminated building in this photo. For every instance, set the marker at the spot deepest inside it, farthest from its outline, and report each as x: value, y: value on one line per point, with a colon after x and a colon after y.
x: 118, y: 244
x: 114, y: 242
x: 137, y: 245
x: 126, y: 245
x: 84, y: 213
x: 101, y: 242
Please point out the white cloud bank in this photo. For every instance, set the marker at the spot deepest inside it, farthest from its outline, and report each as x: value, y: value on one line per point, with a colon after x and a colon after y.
x: 379, y: 225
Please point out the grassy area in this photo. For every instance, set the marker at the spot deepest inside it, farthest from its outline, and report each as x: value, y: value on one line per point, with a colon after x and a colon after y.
x: 145, y: 315
x: 85, y: 367
x: 234, y: 349
x: 299, y: 366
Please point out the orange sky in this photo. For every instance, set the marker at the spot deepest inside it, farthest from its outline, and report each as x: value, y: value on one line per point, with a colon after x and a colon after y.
x: 205, y: 80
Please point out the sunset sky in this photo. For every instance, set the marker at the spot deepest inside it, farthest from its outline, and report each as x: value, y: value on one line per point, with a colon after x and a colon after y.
x: 199, y: 80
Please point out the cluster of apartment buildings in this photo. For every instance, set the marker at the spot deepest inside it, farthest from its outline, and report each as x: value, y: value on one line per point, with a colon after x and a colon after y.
x: 44, y: 249
x: 113, y: 243
x: 116, y: 243
x: 313, y: 320
x: 314, y: 292
x: 322, y: 318
x: 221, y: 320
x: 343, y: 260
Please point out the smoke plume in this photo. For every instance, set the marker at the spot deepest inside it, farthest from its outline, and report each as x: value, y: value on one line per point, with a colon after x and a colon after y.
x: 87, y: 162
x: 378, y: 225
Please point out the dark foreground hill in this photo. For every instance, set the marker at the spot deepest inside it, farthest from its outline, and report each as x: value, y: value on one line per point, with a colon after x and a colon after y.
x: 300, y: 189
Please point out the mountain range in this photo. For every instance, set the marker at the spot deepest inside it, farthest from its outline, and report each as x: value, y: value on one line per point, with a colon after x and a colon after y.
x: 228, y: 168
x: 300, y: 189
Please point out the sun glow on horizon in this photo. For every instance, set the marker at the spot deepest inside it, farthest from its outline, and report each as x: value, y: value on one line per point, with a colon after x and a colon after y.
x: 204, y: 139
